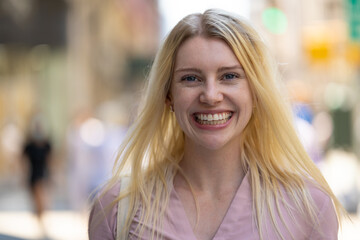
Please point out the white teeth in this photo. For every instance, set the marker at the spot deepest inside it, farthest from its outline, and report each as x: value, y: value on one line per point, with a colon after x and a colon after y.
x: 213, y: 119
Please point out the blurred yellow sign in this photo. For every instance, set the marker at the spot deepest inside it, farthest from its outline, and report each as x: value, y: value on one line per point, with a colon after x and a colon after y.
x: 353, y: 53
x: 318, y: 44
x: 329, y: 41
x: 319, y: 50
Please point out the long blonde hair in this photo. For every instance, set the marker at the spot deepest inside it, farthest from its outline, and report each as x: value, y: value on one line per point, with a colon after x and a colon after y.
x: 270, y: 147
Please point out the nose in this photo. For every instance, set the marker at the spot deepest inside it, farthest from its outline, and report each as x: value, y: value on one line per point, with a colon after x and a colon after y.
x: 211, y: 93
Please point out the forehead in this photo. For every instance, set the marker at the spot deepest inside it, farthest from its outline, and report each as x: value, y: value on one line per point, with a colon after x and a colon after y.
x: 201, y: 50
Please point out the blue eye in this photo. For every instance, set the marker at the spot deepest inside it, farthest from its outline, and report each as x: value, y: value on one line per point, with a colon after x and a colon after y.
x: 230, y: 76
x: 189, y: 78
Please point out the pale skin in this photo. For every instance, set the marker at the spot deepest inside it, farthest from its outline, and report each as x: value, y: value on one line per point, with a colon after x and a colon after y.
x: 209, y: 80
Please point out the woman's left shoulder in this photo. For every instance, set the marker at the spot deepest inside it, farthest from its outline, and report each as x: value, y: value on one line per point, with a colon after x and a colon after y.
x: 320, y: 197
x: 327, y: 224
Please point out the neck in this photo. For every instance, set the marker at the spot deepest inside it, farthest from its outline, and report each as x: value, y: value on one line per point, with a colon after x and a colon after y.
x: 213, y: 170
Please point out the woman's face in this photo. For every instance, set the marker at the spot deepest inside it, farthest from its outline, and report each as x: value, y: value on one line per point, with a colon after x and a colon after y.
x: 210, y: 93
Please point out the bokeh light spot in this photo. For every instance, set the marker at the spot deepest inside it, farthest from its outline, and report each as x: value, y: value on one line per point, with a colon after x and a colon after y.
x: 274, y: 20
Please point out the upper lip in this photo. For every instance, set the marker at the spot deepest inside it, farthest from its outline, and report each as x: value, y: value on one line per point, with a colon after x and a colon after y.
x: 212, y: 111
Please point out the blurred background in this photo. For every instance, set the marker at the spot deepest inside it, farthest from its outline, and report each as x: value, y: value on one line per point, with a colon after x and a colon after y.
x: 71, y: 73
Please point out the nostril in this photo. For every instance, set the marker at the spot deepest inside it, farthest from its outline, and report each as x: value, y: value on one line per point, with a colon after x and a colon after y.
x: 211, y: 99
x: 211, y: 96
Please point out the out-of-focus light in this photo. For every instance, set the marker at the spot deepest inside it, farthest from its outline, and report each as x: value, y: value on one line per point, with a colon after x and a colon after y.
x: 335, y: 96
x: 341, y: 171
x: 57, y: 225
x: 353, y: 53
x: 11, y: 138
x: 30, y: 230
x: 92, y: 132
x: 274, y: 20
x: 319, y: 41
x: 323, y: 126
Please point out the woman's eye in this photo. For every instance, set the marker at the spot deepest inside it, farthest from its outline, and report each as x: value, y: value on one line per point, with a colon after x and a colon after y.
x: 230, y: 76
x: 189, y: 78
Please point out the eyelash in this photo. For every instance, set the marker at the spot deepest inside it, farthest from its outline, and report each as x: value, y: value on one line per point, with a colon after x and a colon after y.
x: 185, y: 78
x: 234, y: 75
x: 223, y: 77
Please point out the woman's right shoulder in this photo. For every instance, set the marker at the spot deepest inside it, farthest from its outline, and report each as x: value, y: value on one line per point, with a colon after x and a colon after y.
x: 103, y: 215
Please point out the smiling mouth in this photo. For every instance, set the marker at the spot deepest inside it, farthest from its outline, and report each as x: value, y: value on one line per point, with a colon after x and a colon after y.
x: 213, y: 119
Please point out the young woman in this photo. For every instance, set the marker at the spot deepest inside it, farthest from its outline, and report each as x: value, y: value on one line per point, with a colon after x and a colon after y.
x: 213, y: 153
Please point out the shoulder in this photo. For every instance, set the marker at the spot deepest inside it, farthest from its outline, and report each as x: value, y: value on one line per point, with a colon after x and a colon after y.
x: 103, y: 215
x: 295, y: 222
x: 327, y: 224
x: 319, y: 196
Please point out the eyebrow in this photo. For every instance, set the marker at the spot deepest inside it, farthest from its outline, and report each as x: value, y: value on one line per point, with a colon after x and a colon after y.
x: 230, y: 68
x: 188, y: 70
x: 221, y: 69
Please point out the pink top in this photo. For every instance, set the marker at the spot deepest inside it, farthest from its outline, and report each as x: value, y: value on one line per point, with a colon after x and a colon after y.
x: 237, y: 224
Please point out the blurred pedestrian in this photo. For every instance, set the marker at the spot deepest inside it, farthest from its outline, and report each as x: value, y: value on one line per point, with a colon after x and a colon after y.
x: 213, y: 153
x: 36, y: 151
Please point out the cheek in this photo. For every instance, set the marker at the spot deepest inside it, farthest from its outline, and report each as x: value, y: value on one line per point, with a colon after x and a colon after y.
x: 182, y: 119
x: 174, y: 95
x: 249, y: 109
x: 182, y: 98
x: 182, y: 105
x: 245, y: 102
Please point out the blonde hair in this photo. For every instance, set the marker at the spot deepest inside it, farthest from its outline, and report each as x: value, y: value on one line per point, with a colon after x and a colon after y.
x: 270, y: 147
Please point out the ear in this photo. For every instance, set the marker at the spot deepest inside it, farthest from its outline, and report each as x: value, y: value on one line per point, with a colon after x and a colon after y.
x: 168, y: 100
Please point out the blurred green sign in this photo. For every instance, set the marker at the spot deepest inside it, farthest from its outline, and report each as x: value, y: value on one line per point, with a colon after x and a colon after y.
x: 354, y: 19
x: 274, y: 20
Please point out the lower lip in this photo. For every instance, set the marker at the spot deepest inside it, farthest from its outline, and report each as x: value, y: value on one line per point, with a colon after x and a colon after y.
x: 211, y: 127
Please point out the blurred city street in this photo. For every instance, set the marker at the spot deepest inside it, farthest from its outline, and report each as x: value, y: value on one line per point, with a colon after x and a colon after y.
x: 71, y: 74
x: 17, y: 220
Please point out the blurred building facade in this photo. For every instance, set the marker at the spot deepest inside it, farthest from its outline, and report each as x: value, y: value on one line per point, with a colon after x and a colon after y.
x: 63, y: 57
x: 317, y: 45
